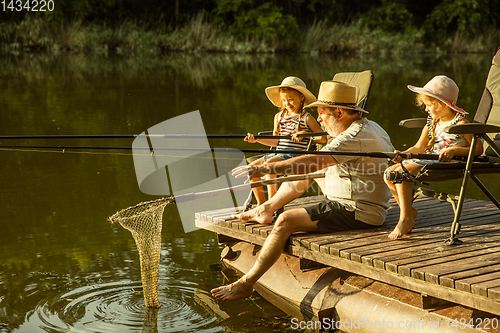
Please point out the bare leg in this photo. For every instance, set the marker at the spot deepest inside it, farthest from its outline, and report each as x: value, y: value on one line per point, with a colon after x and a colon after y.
x: 287, y: 223
x: 273, y: 188
x: 402, y: 192
x: 258, y: 192
x: 286, y: 193
x: 407, y: 217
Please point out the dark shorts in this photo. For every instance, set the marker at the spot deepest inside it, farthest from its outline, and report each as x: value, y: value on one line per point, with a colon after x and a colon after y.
x: 332, y: 216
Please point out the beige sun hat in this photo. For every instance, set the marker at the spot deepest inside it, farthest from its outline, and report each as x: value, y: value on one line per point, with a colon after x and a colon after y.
x: 442, y: 88
x: 337, y: 94
x: 273, y: 92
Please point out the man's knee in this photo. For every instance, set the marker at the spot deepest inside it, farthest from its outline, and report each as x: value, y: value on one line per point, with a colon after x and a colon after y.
x: 282, y: 221
x: 291, y: 221
x: 285, y: 223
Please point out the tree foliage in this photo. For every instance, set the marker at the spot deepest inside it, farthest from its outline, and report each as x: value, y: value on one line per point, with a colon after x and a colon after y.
x: 271, y: 19
x: 465, y: 16
x: 249, y: 17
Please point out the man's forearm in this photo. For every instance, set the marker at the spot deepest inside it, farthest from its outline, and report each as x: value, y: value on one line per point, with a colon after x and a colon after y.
x: 300, y: 165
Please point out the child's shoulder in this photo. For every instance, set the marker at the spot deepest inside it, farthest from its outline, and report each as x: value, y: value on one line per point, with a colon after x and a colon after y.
x: 463, y: 121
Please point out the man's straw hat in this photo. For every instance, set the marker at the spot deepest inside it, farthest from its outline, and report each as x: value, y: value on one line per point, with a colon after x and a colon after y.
x: 273, y: 93
x: 442, y: 88
x: 337, y: 94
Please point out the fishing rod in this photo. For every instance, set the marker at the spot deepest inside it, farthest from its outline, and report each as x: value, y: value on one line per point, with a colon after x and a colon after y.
x: 196, y: 195
x: 389, y: 155
x: 165, y: 136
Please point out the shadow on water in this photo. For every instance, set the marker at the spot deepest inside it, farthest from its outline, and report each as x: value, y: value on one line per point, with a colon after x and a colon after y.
x: 62, y: 265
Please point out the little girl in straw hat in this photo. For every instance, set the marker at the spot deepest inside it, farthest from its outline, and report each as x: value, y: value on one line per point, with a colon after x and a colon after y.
x: 439, y: 97
x: 290, y: 97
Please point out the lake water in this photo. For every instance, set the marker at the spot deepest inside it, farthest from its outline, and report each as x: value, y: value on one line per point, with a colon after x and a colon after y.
x: 63, y: 266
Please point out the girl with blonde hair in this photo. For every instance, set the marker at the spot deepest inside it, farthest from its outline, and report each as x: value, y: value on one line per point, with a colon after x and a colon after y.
x: 439, y: 97
x: 290, y: 97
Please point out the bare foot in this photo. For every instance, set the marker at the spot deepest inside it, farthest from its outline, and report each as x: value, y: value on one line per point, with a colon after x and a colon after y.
x: 261, y: 214
x: 232, y: 292
x: 404, y: 226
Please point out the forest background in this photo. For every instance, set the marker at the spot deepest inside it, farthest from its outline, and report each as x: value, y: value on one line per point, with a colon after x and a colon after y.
x: 154, y: 27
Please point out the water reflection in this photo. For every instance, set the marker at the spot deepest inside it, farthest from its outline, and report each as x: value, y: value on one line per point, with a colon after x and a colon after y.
x: 118, y: 307
x: 62, y: 265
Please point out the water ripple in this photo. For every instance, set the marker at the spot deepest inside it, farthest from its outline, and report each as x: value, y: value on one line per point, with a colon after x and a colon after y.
x: 118, y: 307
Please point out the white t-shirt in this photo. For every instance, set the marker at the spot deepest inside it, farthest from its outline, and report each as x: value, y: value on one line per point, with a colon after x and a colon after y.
x: 357, y: 182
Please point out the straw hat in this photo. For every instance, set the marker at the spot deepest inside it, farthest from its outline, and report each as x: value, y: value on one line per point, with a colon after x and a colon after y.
x: 337, y: 94
x: 273, y: 93
x: 442, y: 88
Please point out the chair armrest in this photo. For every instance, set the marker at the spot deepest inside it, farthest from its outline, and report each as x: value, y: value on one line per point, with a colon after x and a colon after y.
x: 413, y: 123
x: 473, y: 128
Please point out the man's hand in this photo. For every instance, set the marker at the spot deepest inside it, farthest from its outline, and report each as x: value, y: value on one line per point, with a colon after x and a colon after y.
x: 251, y: 171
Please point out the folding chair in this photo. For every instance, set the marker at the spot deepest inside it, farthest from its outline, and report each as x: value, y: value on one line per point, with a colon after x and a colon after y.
x: 486, y: 126
x: 362, y: 80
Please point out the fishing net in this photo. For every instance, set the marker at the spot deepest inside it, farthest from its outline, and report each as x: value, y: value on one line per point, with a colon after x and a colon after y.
x: 144, y: 221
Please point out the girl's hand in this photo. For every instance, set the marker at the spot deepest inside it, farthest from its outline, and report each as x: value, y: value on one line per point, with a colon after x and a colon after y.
x: 250, y: 138
x: 396, y: 158
x: 297, y: 139
x: 446, y: 155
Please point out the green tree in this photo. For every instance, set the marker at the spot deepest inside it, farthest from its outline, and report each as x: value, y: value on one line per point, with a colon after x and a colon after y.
x: 465, y: 16
x: 255, y: 18
x: 391, y: 16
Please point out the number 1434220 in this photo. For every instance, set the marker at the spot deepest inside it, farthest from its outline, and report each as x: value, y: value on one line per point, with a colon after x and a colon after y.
x: 27, y: 5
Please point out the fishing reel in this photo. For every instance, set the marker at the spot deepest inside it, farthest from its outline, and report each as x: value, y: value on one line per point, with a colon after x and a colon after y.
x: 397, y: 177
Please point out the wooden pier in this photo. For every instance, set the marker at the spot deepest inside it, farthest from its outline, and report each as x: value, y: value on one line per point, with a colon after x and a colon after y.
x: 467, y: 274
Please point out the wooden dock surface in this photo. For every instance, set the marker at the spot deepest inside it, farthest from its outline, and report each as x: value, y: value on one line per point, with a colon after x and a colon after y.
x: 467, y: 274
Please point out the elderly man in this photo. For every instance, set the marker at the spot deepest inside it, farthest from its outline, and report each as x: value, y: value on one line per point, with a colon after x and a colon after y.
x: 356, y: 196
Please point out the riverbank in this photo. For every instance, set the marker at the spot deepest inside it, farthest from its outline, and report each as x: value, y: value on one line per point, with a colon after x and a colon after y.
x: 36, y: 35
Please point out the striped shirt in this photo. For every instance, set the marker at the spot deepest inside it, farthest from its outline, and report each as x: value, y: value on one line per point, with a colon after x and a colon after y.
x: 288, y: 126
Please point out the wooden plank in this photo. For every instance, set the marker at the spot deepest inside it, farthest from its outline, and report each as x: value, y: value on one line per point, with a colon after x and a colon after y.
x: 348, y: 236
x: 465, y: 280
x: 354, y: 246
x: 494, y: 293
x: 423, y: 233
x: 448, y: 253
x: 471, y: 283
x: 483, y: 288
x: 427, y: 250
x: 400, y: 256
x: 208, y: 216
x: 250, y: 238
x: 449, y: 280
x: 432, y: 273
x: 265, y: 230
x: 251, y: 226
x: 359, y: 250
